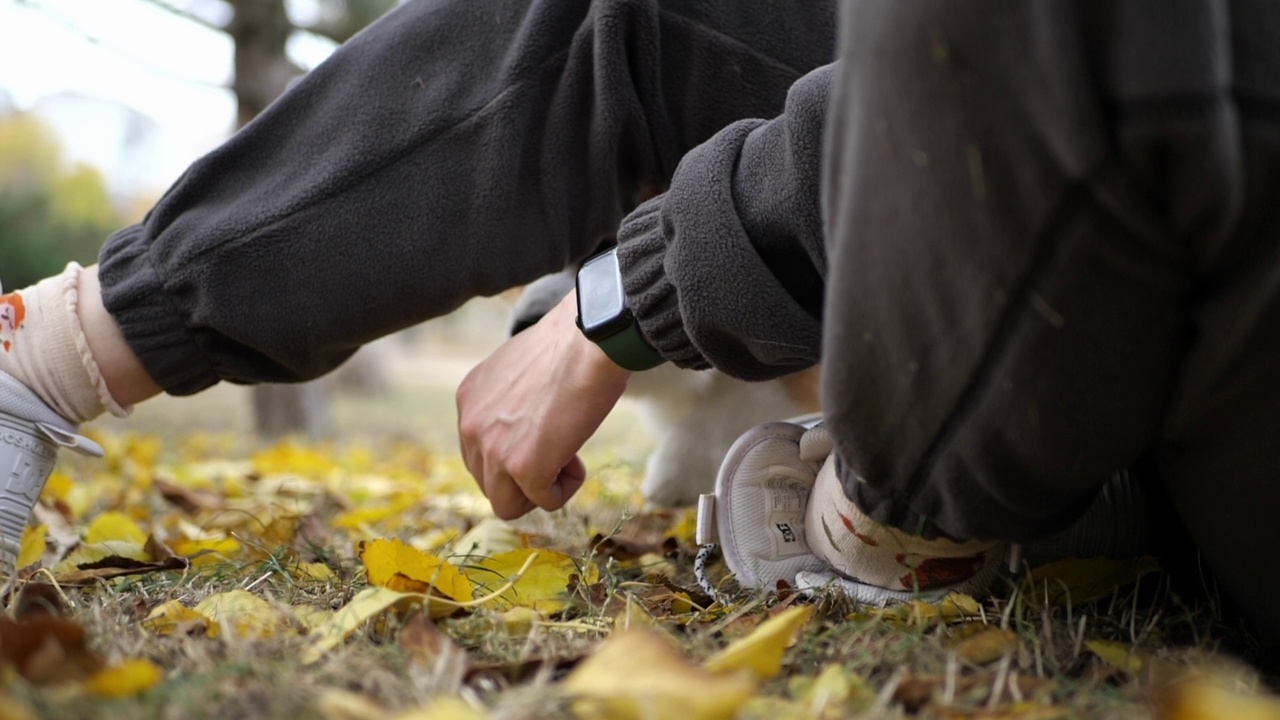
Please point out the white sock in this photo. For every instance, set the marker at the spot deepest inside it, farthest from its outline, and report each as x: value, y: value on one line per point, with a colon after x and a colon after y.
x: 43, y: 345
x: 862, y: 549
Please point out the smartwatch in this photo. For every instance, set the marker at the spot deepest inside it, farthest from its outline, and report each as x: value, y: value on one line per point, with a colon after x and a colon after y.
x: 603, y: 315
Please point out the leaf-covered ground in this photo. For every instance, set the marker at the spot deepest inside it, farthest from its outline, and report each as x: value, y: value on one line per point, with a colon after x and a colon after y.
x: 195, y: 575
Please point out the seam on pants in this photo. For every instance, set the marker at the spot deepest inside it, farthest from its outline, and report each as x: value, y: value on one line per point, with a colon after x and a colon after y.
x: 1045, y: 257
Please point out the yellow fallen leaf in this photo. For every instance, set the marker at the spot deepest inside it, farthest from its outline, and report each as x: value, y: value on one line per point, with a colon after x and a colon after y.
x: 58, y: 487
x: 520, y: 620
x: 543, y: 585
x: 836, y: 692
x: 987, y: 644
x: 33, y: 546
x: 445, y: 708
x: 316, y: 571
x: 433, y: 540
x: 1078, y: 580
x: 114, y: 527
x: 761, y: 652
x: 292, y: 457
x: 127, y: 679
x: 207, y: 551
x: 393, y: 565
x: 366, y: 515
x: 952, y: 608
x: 335, y: 704
x: 772, y: 707
x: 1209, y: 699
x: 632, y: 615
x: 173, y: 616
x: 248, y: 616
x: 1118, y: 655
x: 655, y: 566
x: 372, y: 602
x: 311, y: 617
x: 685, y: 531
x: 366, y: 605
x: 489, y: 537
x: 638, y: 674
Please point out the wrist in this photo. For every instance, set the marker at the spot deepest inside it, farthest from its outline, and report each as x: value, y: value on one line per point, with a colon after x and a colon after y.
x: 593, y: 361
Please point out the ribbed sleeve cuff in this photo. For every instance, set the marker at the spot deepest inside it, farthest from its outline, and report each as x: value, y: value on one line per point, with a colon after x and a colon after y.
x: 148, y: 316
x: 650, y: 295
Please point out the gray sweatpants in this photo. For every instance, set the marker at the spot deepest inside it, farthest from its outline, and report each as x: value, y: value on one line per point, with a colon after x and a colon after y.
x: 1054, y: 234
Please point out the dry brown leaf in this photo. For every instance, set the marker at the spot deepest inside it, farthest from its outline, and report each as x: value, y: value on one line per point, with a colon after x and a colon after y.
x: 38, y: 597
x: 14, y: 709
x: 624, y: 549
x: 45, y: 648
x: 917, y: 691
x: 186, y: 499
x: 116, y: 566
x: 427, y: 646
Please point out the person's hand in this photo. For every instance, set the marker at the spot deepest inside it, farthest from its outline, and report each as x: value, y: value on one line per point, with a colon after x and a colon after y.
x: 525, y: 411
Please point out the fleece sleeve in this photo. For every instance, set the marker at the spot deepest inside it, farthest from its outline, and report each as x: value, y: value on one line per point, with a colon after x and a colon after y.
x: 452, y: 149
x: 726, y: 269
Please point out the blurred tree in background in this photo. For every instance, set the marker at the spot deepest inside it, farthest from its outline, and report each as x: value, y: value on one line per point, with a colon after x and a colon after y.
x: 50, y: 212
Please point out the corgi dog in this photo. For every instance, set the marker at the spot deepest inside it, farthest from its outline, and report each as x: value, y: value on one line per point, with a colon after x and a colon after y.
x: 693, y: 416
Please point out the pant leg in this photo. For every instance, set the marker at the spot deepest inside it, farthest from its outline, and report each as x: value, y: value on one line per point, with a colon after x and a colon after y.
x: 1054, y: 244
x: 452, y: 149
x: 1219, y: 448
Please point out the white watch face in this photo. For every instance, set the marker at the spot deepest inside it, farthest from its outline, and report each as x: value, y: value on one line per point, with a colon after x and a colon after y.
x: 600, y: 297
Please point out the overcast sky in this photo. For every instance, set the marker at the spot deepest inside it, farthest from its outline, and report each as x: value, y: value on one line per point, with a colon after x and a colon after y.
x: 133, y: 53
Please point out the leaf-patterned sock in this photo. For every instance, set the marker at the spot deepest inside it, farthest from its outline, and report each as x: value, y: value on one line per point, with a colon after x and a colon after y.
x: 43, y: 346
x: 862, y: 549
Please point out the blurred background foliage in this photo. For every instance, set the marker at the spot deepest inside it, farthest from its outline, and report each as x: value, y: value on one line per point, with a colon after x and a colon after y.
x: 51, y: 211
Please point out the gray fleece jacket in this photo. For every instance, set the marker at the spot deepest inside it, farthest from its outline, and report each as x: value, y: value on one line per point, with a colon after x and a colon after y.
x: 456, y: 149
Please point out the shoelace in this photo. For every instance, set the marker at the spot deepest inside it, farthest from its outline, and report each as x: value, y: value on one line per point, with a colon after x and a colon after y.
x: 700, y: 572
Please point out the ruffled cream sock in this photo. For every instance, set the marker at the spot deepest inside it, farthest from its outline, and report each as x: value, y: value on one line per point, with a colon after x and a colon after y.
x: 43, y: 345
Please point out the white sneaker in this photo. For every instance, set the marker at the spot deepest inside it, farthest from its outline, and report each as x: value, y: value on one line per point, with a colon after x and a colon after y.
x: 758, y: 507
x: 757, y: 515
x: 30, y: 435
